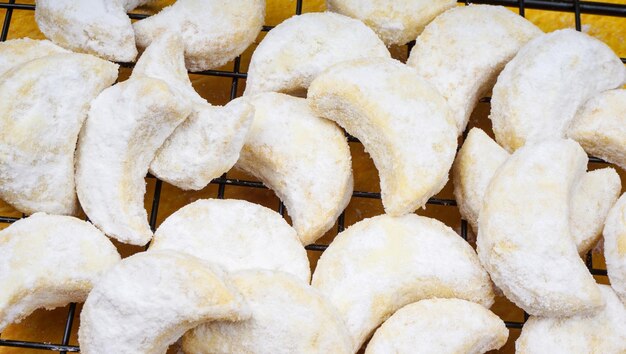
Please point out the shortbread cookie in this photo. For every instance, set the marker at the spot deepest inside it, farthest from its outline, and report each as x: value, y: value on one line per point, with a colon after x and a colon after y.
x: 600, y: 127
x: 214, y: 32
x: 44, y: 104
x: 16, y: 52
x: 524, y: 231
x: 600, y: 333
x: 234, y: 234
x: 288, y: 317
x: 127, y: 124
x: 439, y: 326
x: 615, y: 247
x: 402, y: 121
x: 151, y: 299
x: 396, y: 22
x: 48, y: 261
x: 538, y: 93
x: 293, y: 53
x: 379, y: 265
x: 481, y: 37
x: 303, y: 158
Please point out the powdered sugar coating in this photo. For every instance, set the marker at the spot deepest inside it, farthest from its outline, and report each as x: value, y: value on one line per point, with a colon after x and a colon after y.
x: 538, y: 93
x: 440, y: 326
x: 44, y: 104
x: 15, y: 52
x: 288, y: 316
x: 293, y: 53
x: 524, y: 235
x: 380, y: 264
x: 303, y: 158
x: 147, y: 301
x: 127, y: 124
x: 213, y: 31
x: 464, y: 49
x: 234, y: 234
x: 615, y: 247
x: 403, y: 122
x: 32, y: 249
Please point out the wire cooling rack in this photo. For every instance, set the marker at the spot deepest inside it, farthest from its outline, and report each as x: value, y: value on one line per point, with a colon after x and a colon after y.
x: 577, y: 8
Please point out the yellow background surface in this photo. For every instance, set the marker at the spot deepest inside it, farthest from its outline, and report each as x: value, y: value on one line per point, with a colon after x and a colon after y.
x: 47, y: 326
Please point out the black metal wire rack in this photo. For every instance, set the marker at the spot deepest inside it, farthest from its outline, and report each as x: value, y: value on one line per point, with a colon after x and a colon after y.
x: 576, y: 7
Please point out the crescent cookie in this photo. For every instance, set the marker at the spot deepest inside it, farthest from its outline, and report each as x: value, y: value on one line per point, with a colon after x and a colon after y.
x: 304, y: 159
x: 234, y: 234
x: 439, y: 326
x: 381, y: 264
x: 484, y: 38
x: 44, y: 104
x: 32, y: 249
x: 396, y: 22
x: 402, y: 121
x: 149, y: 300
x: 615, y: 247
x: 288, y: 316
x: 16, y: 52
x: 127, y: 123
x: 293, y: 53
x: 538, y: 93
x: 600, y: 333
x: 524, y: 231
x: 600, y: 127
x: 214, y: 32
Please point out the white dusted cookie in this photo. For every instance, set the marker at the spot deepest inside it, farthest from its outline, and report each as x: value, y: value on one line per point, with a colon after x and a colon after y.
x: 208, y: 142
x: 19, y: 51
x: 381, y: 264
x: 33, y: 250
x: 149, y: 300
x: 293, y: 53
x: 600, y: 127
x: 402, y: 121
x: 44, y: 104
x: 538, y: 93
x: 481, y: 37
x: 214, y: 32
x: 615, y: 247
x: 439, y: 326
x: 127, y: 123
x: 396, y: 22
x: 600, y: 333
x: 524, y: 231
x: 236, y: 235
x: 288, y: 316
x: 304, y: 159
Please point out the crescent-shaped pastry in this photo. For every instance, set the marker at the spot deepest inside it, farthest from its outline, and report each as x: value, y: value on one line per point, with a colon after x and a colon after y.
x: 439, y: 326
x: 288, y: 316
x: 484, y: 38
x: 600, y: 127
x: 381, y: 264
x: 538, y: 93
x: 33, y: 248
x: 524, y: 233
x: 293, y: 53
x: 127, y: 123
x: 615, y: 247
x: 234, y: 234
x: 303, y: 158
x: 600, y: 333
x: 396, y: 22
x: 44, y: 104
x: 208, y: 142
x: 477, y: 162
x: 15, y: 52
x: 214, y: 32
x: 151, y: 299
x: 403, y: 122
x: 98, y: 27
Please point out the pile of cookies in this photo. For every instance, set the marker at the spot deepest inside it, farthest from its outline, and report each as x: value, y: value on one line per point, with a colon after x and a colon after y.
x: 73, y: 138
